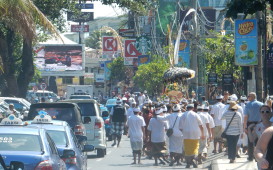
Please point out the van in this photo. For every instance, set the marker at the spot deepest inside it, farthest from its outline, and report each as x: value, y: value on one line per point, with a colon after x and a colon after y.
x: 34, y: 96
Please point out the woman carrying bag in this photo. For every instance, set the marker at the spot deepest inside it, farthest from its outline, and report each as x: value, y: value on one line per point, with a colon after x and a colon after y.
x: 233, y: 130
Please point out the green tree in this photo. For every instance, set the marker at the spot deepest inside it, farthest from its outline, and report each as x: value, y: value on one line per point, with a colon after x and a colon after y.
x: 150, y: 76
x: 18, y: 22
x: 118, y: 70
x: 219, y: 54
x: 95, y: 39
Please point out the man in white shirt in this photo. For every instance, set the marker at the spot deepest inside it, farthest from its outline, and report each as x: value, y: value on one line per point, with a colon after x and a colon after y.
x: 141, y: 99
x: 207, y: 132
x: 216, y: 113
x: 190, y: 124
x: 136, y: 125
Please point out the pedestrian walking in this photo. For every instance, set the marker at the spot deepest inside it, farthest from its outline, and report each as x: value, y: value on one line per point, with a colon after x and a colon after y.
x: 118, y: 117
x: 191, y: 126
x: 216, y: 113
x: 233, y: 130
x: 141, y: 99
x: 266, y: 115
x: 264, y: 150
x: 157, y: 137
x: 130, y: 111
x: 251, y: 116
x: 136, y: 126
x: 176, y: 139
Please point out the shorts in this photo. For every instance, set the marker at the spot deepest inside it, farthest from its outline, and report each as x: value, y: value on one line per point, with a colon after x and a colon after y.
x: 217, y: 133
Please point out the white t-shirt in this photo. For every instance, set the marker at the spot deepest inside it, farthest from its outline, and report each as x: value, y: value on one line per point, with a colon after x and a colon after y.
x: 205, y: 120
x: 130, y: 112
x: 172, y: 123
x: 157, y: 129
x: 189, y: 124
x: 135, y: 124
x: 211, y: 121
x: 141, y: 99
x: 131, y: 100
x: 217, y: 110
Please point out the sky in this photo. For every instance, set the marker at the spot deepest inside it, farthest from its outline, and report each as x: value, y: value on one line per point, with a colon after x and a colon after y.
x: 101, y: 10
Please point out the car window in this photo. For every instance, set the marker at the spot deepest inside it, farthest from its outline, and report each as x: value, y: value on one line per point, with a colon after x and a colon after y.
x: 52, y: 145
x: 87, y: 109
x: 65, y: 114
x: 19, y: 142
x: 59, y: 137
x: 17, y: 104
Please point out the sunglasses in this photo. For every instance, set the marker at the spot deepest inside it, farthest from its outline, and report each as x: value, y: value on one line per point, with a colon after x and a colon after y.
x: 263, y: 111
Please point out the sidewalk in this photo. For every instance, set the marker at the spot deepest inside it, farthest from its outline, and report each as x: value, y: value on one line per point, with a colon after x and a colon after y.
x: 240, y: 164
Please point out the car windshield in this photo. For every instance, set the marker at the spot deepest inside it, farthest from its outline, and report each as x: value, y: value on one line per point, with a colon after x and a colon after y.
x: 59, y: 137
x: 65, y: 114
x: 87, y: 109
x: 19, y: 142
x: 111, y: 102
x: 80, y: 97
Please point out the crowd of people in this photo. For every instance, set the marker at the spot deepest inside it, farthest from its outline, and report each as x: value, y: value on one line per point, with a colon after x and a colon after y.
x: 175, y: 131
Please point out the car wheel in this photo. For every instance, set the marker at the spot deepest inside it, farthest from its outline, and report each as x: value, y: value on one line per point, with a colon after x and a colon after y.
x: 100, y: 153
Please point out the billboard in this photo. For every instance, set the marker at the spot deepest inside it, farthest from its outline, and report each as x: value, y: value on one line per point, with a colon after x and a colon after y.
x: 82, y: 17
x: 107, y: 71
x: 183, y: 54
x: 246, y: 42
x: 79, y: 28
x: 56, y: 58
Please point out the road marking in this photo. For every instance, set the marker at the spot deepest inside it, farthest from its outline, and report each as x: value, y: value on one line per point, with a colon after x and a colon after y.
x: 99, y: 159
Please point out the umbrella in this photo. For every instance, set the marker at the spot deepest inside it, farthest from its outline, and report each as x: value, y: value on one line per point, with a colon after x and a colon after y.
x: 178, y: 74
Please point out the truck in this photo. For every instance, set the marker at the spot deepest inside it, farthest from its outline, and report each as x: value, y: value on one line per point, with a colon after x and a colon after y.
x: 79, y: 90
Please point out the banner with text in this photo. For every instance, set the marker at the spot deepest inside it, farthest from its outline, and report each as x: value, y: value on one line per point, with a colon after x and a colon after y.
x: 246, y: 42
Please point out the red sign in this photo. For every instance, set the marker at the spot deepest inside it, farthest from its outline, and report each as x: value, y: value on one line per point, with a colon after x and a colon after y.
x: 130, y: 48
x: 109, y: 44
x: 79, y: 28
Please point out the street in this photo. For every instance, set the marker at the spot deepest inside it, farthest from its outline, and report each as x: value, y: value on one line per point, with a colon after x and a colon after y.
x: 121, y: 159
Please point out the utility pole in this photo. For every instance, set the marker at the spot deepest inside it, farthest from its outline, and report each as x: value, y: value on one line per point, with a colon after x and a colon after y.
x: 80, y: 23
x: 194, y: 60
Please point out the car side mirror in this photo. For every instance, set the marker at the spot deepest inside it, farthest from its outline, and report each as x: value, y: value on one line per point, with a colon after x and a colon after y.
x: 68, y: 153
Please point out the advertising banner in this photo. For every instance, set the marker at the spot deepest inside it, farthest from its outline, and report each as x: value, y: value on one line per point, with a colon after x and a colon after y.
x: 130, y: 48
x: 143, y: 44
x: 100, y: 78
x: 184, y: 54
x: 109, y: 44
x: 131, y: 61
x: 246, y: 42
x: 270, y: 56
x: 106, y: 70
x: 143, y: 59
x: 56, y: 58
x: 79, y: 28
x: 82, y: 17
x: 212, y: 78
x: 227, y: 79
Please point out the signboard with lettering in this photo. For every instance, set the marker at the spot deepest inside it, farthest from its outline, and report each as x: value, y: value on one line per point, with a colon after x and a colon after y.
x: 246, y: 42
x: 227, y: 79
x: 85, y: 6
x: 212, y: 78
x: 79, y: 28
x: 82, y: 17
x: 130, y: 49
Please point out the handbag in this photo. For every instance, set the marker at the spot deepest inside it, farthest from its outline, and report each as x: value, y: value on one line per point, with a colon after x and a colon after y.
x: 224, y: 134
x: 170, y: 130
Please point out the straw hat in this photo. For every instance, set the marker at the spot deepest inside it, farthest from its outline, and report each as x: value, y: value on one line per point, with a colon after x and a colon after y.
x: 233, y: 105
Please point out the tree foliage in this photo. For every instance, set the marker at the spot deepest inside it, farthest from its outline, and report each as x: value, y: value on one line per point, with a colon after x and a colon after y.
x: 219, y: 54
x: 118, y: 70
x: 246, y: 7
x: 95, y: 39
x: 150, y: 76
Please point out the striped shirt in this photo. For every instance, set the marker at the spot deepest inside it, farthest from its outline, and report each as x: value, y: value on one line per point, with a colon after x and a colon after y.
x: 235, y: 127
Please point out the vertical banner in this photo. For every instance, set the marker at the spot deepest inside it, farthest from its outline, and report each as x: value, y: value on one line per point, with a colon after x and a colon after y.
x: 143, y: 59
x: 107, y: 70
x: 212, y: 78
x: 109, y: 46
x: 227, y: 81
x: 270, y: 56
x: 184, y: 54
x: 246, y: 42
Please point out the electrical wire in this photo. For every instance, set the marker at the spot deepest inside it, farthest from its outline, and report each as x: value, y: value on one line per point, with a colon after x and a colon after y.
x: 160, y: 21
x: 203, y: 13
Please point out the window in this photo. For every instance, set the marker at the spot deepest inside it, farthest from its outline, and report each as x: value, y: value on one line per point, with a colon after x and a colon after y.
x: 51, y: 145
x: 19, y: 142
x: 86, y: 69
x: 87, y: 109
x: 59, y: 137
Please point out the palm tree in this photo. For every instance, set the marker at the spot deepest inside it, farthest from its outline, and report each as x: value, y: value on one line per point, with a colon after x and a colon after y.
x: 18, y: 24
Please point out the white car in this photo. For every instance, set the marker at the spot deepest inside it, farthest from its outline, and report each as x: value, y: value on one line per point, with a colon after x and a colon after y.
x: 20, y: 104
x: 94, y: 124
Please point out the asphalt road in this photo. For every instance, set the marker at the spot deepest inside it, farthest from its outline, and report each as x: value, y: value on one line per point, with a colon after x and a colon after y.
x: 121, y: 158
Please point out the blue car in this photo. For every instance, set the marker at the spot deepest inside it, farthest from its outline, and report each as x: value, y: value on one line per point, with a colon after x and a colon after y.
x: 72, y: 153
x: 110, y: 103
x: 31, y: 146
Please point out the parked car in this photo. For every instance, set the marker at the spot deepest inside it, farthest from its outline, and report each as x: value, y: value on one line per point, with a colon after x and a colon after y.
x: 110, y: 103
x: 68, y: 112
x: 30, y: 145
x: 93, y: 123
x: 20, y: 104
x: 64, y: 139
